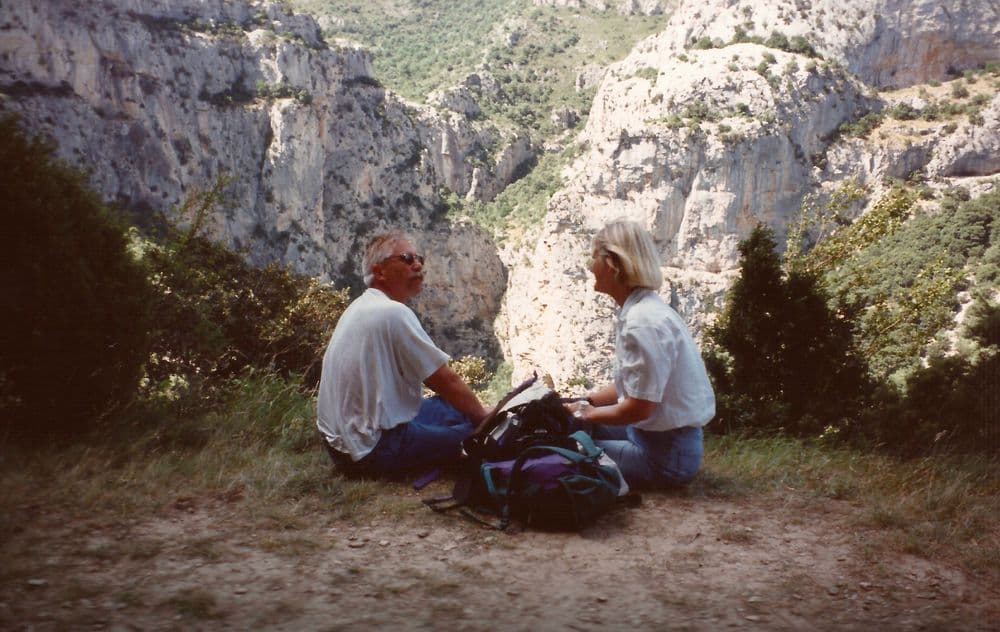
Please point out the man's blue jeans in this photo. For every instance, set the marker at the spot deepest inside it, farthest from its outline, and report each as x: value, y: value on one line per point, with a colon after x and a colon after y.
x: 653, y: 459
x: 433, y: 437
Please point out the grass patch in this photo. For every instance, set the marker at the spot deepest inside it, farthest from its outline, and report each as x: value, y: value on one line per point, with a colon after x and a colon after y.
x: 260, y: 467
x: 257, y: 453
x: 938, y: 507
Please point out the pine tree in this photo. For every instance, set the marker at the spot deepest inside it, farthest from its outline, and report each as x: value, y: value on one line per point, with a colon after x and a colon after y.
x: 791, y: 364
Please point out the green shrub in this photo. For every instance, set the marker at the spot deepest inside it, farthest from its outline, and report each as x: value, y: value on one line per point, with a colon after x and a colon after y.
x: 901, y: 273
x: 781, y: 360
x: 217, y: 316
x: 76, y: 304
x: 904, y: 112
x: 777, y: 40
x: 649, y: 74
x: 949, y: 405
x: 862, y: 127
x: 703, y: 43
x: 801, y: 45
x: 473, y: 370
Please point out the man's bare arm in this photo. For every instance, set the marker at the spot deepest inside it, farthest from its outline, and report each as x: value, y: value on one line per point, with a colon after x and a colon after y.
x: 453, y: 389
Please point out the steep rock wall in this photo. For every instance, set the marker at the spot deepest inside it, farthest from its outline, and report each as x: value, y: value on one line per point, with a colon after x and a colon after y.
x: 624, y: 7
x: 886, y: 43
x: 702, y: 144
x: 158, y: 99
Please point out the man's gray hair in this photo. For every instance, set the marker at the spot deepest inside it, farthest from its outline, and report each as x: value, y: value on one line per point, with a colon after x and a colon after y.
x: 635, y: 259
x: 378, y: 249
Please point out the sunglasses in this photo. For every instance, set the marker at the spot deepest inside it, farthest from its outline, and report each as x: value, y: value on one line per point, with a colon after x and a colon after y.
x: 407, y: 257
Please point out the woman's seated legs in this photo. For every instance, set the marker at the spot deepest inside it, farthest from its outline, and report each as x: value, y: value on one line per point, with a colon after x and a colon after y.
x: 653, y: 459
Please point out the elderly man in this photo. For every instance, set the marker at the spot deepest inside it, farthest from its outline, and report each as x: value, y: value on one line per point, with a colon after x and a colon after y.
x: 371, y: 410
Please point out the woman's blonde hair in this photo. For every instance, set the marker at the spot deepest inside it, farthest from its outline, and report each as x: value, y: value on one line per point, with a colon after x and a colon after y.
x: 634, y: 257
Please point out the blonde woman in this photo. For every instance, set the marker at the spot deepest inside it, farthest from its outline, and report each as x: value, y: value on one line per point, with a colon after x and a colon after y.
x: 650, y: 419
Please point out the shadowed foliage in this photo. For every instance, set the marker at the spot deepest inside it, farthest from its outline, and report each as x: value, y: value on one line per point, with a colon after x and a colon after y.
x: 75, y: 301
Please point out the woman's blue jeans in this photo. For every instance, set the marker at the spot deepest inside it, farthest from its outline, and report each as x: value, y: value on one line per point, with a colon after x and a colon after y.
x: 434, y: 437
x: 650, y: 459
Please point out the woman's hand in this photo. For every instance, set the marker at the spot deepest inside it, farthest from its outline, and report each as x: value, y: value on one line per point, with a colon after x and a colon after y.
x: 577, y: 409
x: 628, y: 411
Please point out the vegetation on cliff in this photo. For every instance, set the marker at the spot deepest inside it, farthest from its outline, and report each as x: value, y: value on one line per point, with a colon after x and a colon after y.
x: 855, y: 339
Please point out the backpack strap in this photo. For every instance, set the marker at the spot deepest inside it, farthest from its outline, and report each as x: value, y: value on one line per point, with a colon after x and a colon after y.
x: 587, y: 443
x: 487, y: 423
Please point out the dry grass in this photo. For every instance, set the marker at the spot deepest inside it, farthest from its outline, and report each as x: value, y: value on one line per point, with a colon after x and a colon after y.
x: 259, y: 464
x: 937, y: 507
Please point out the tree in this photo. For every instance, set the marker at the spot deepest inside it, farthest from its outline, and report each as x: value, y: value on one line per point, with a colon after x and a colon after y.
x: 787, y: 361
x: 76, y: 315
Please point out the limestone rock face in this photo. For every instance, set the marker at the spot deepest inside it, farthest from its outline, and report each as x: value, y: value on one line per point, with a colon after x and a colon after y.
x: 698, y: 150
x: 962, y: 153
x: 160, y: 98
x: 624, y: 7
x: 701, y: 144
x: 886, y: 43
x: 972, y: 150
x: 700, y: 134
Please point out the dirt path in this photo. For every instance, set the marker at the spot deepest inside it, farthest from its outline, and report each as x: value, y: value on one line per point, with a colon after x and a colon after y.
x: 675, y: 563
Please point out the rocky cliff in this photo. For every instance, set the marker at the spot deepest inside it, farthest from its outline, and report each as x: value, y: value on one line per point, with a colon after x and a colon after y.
x: 624, y: 7
x: 158, y: 99
x: 718, y: 124
x: 727, y: 118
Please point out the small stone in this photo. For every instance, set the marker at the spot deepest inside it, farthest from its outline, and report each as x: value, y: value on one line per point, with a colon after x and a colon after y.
x: 423, y: 533
x: 383, y: 543
x: 833, y: 590
x: 355, y: 544
x: 602, y: 600
x: 754, y: 599
x: 38, y: 583
x: 752, y: 617
x: 240, y: 591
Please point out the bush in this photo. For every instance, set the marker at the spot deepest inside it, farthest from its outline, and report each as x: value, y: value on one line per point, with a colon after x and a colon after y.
x: 901, y: 273
x: 862, y: 127
x: 780, y: 358
x: 218, y: 316
x: 949, y: 405
x: 76, y: 303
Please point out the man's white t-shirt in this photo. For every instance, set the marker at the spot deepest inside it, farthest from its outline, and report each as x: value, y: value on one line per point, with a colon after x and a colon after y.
x: 373, y: 372
x: 657, y: 360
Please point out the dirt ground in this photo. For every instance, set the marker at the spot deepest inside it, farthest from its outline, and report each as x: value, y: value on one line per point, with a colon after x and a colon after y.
x: 676, y: 562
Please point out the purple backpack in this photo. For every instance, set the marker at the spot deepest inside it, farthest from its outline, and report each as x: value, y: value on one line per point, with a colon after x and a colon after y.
x: 546, y: 486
